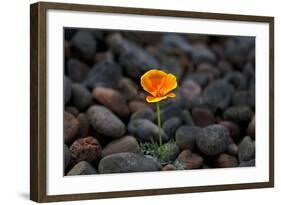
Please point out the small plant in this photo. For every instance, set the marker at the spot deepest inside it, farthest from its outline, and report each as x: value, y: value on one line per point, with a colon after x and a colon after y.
x: 159, y: 85
x: 160, y: 153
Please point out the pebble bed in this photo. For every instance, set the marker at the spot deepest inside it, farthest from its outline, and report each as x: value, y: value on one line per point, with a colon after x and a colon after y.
x: 210, y: 124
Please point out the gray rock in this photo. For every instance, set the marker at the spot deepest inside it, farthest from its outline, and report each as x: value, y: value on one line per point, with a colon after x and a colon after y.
x: 238, y: 114
x: 66, y: 89
x: 84, y: 45
x: 145, y: 131
x: 107, y: 73
x: 66, y: 155
x: 170, y: 111
x: 82, y: 168
x: 76, y: 70
x: 105, y: 122
x: 246, y: 149
x: 238, y: 80
x: 134, y: 59
x: 127, y: 162
x: 214, y: 140
x: 202, y: 54
x: 146, y: 113
x: 172, y: 65
x: 250, y: 163
x: 124, y: 144
x: 187, y: 118
x: 219, y: 93
x: 244, y: 98
x: 81, y: 96
x: 171, y: 125
x: 200, y: 78
x: 186, y: 137
x: 177, y: 41
x: 232, y: 149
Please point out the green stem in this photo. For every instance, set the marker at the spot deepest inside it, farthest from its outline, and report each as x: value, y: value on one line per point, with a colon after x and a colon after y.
x: 159, y: 124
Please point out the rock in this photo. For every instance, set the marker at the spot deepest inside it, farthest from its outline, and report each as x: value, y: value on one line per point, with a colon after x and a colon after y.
x: 212, y: 71
x: 66, y: 155
x: 172, y: 65
x: 201, y: 79
x: 105, y: 122
x: 70, y: 127
x: 112, y: 99
x: 171, y: 151
x: 250, y: 163
x: 186, y: 137
x: 233, y: 128
x: 232, y: 149
x: 128, y: 88
x: 177, y: 41
x: 246, y: 149
x: 171, y: 125
x: 202, y: 54
x: 225, y: 161
x: 238, y: 114
x: 238, y: 80
x: 203, y: 117
x: 132, y: 58
x: 127, y: 162
x: 86, y: 149
x: 237, y: 50
x: 81, y: 97
x: 106, y: 73
x: 243, y: 98
x: 136, y: 105
x: 187, y: 118
x: 219, y: 93
x: 124, y: 144
x: 84, y: 45
x: 251, y: 130
x: 76, y: 70
x: 170, y: 111
x: 190, y: 93
x: 82, y: 168
x: 84, y: 128
x: 72, y: 110
x: 169, y: 167
x: 224, y: 67
x: 190, y: 160
x: 214, y: 140
x: 145, y: 131
x: 146, y: 113
x: 66, y: 89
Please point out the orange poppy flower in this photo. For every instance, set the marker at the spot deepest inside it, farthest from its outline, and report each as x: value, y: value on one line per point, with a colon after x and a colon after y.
x: 159, y: 85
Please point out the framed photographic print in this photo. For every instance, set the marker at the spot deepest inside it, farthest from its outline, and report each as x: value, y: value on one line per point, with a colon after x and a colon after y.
x: 134, y: 102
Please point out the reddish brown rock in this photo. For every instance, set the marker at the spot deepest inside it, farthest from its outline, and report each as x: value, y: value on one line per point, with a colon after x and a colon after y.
x: 233, y: 128
x: 86, y: 149
x: 112, y: 99
x: 203, y: 117
x: 225, y: 161
x: 84, y: 128
x: 190, y: 160
x: 70, y: 127
x: 169, y: 167
x: 136, y: 105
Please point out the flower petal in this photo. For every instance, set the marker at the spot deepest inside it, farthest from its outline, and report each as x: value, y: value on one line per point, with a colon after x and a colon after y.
x: 152, y: 80
x: 169, y: 84
x: 152, y: 99
x: 171, y: 95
